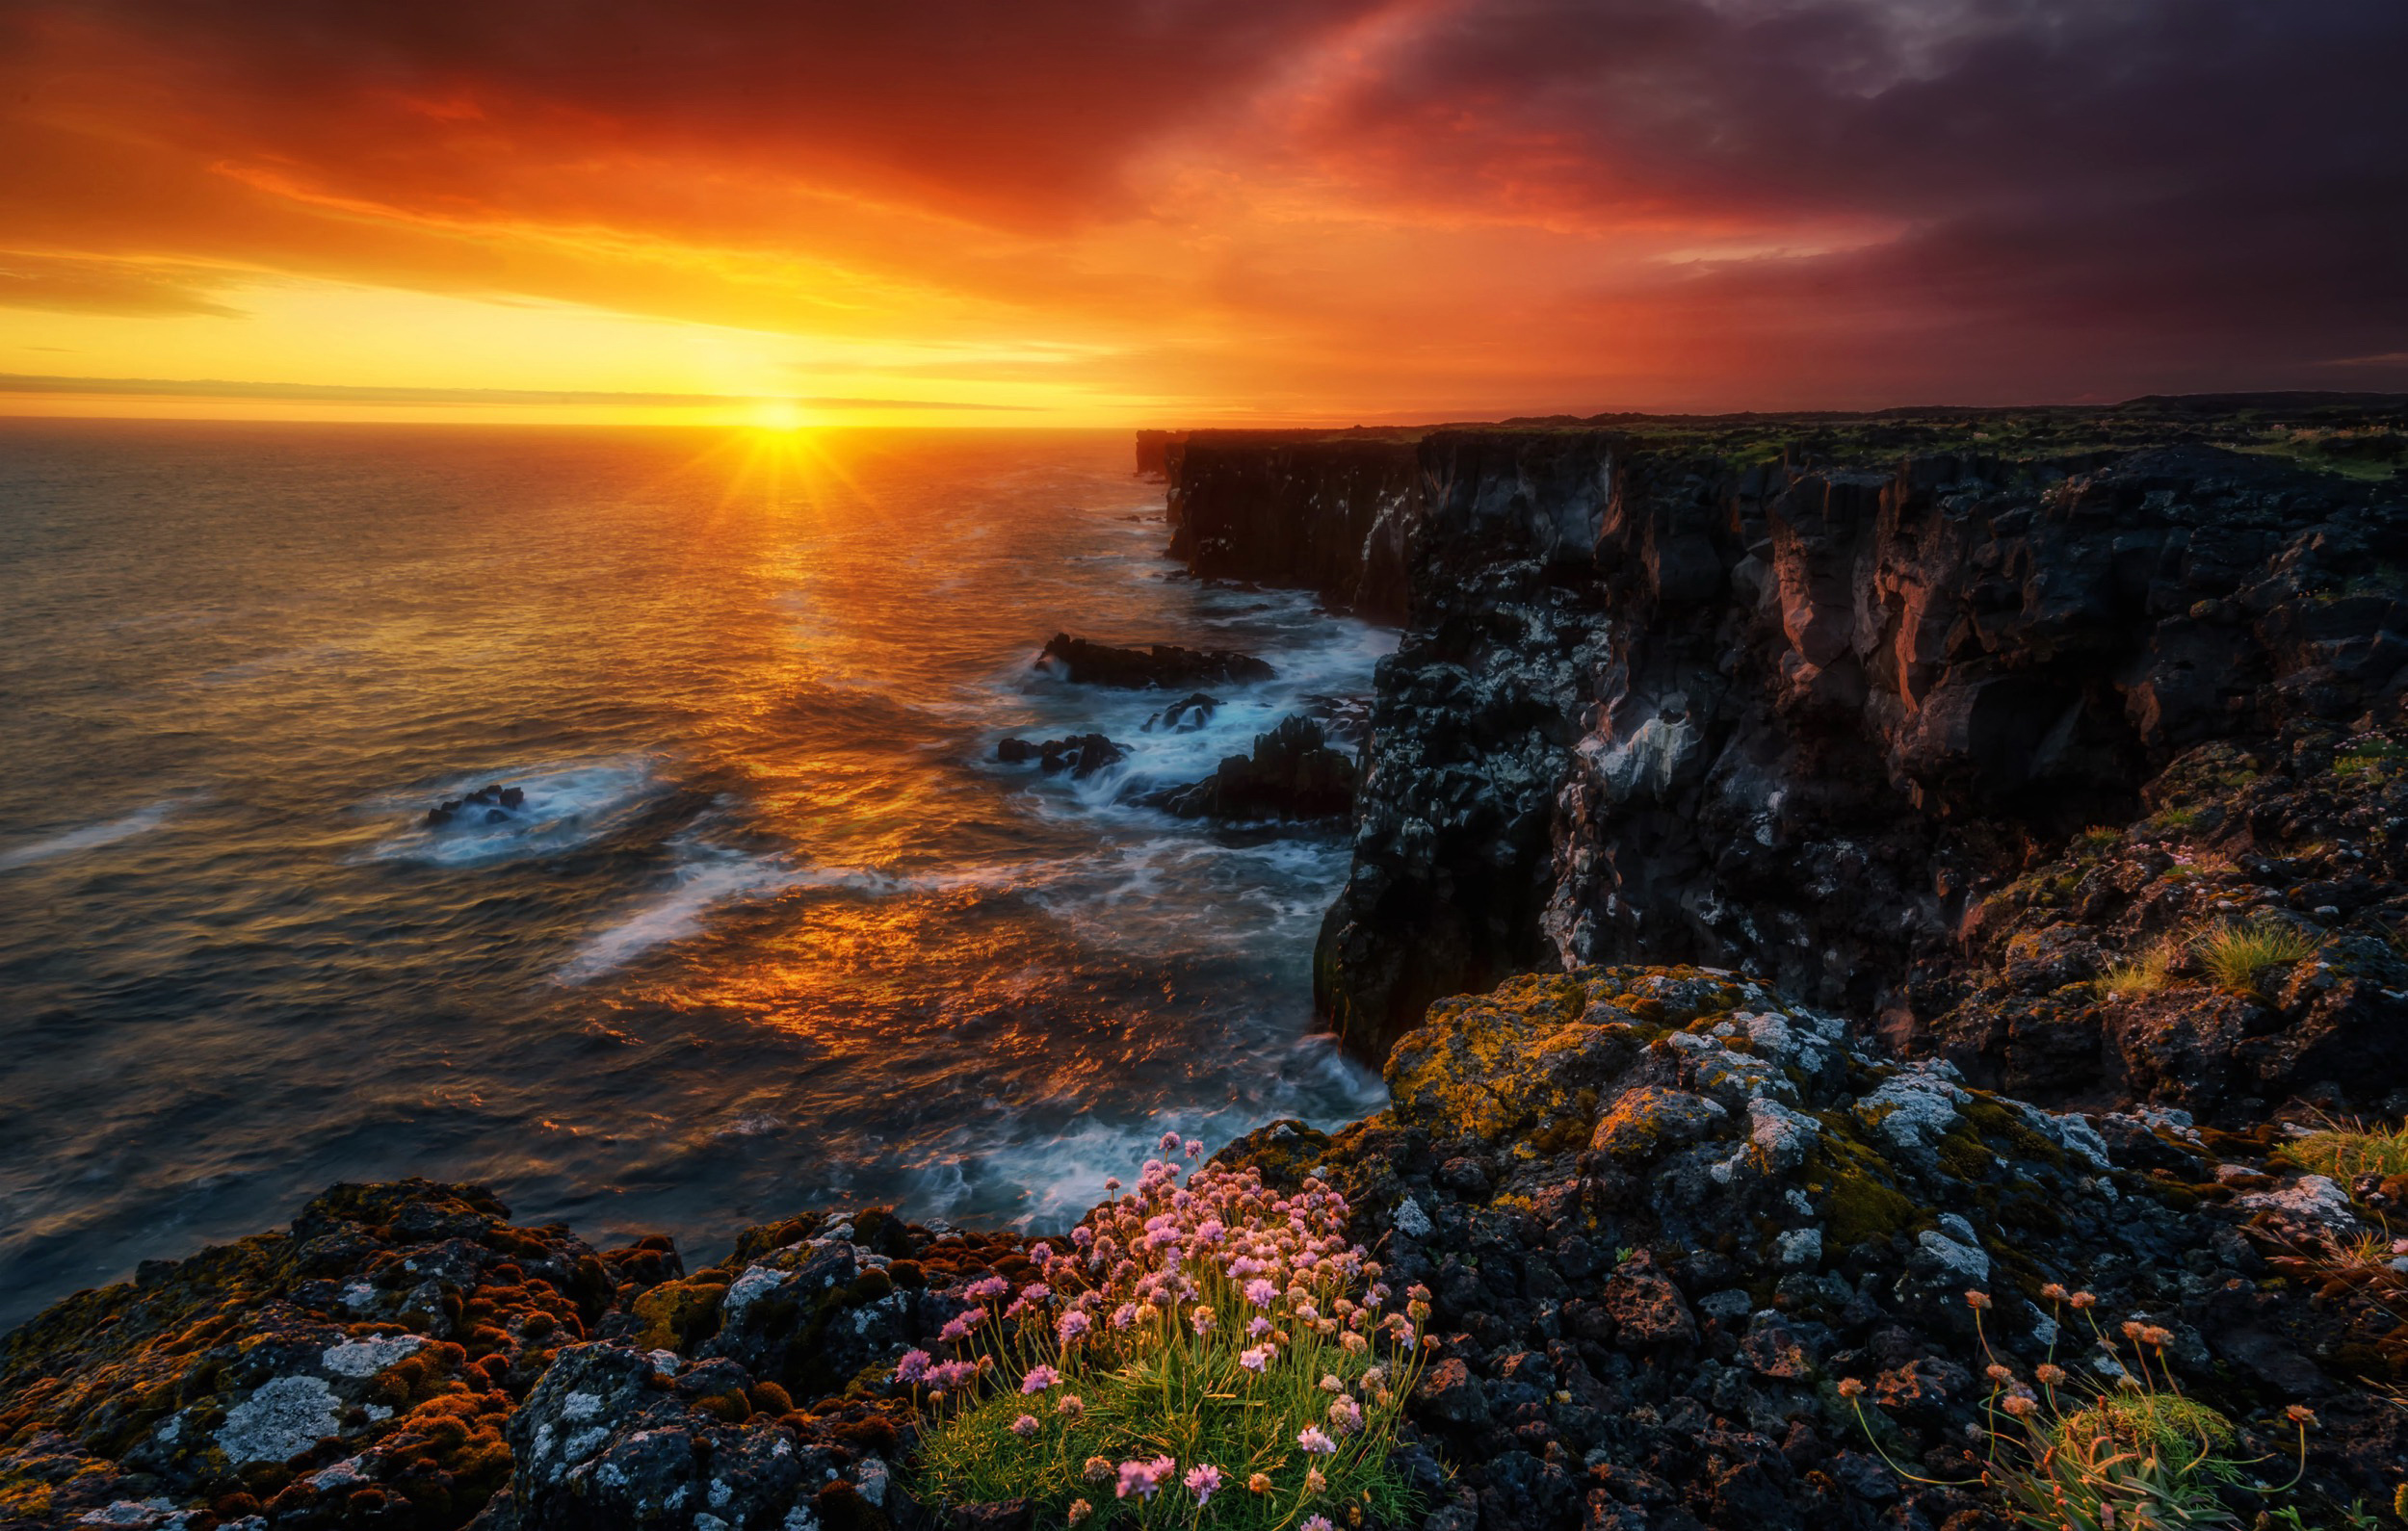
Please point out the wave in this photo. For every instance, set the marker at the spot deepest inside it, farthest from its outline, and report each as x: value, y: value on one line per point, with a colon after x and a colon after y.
x: 91, y: 837
x: 713, y: 876
x: 709, y: 877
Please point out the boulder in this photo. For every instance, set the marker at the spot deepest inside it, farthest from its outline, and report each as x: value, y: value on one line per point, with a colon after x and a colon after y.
x: 1182, y: 717
x: 1292, y: 774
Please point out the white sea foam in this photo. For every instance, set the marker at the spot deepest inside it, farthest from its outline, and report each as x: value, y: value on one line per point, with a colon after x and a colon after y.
x: 1061, y: 1174
x: 705, y: 879
x: 91, y: 837
x: 567, y: 805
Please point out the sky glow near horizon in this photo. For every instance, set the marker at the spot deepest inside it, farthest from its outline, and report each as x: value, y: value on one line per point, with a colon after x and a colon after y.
x: 1321, y: 211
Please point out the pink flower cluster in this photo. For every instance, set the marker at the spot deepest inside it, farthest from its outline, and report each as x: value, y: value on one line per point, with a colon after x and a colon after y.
x: 1157, y: 1247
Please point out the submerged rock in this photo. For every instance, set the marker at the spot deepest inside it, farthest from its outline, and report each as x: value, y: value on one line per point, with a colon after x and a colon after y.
x: 1159, y: 666
x: 499, y: 803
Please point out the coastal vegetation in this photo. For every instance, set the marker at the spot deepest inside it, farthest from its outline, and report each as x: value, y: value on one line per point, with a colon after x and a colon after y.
x: 1214, y: 1353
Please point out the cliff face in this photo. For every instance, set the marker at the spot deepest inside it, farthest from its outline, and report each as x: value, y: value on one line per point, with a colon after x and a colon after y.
x: 1655, y: 704
x: 1333, y: 515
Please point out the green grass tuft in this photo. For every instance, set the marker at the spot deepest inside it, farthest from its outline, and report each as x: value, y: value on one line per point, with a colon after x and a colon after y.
x: 2345, y: 1150
x: 2139, y: 975
x: 2239, y: 955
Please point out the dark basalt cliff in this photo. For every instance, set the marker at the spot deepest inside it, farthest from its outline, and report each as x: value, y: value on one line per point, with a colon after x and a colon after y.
x: 1333, y: 515
x: 1829, y: 720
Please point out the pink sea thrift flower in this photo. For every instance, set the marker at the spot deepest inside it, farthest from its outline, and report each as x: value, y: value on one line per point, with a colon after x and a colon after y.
x: 1144, y: 1479
x: 1201, y: 1320
x: 1261, y: 1293
x: 1203, y: 1481
x: 1313, y: 1438
x: 959, y: 1327
x: 1195, y: 1146
x: 1317, y: 1523
x: 1255, y: 1358
x: 913, y: 1366
x: 1072, y: 1325
x: 987, y: 1289
x: 1257, y: 1327
x: 1038, y: 1379
x: 1071, y: 1406
x: 1025, y: 1426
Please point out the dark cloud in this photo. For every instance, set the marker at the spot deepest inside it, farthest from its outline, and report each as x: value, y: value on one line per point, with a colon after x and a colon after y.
x: 1012, y: 110
x: 2225, y: 181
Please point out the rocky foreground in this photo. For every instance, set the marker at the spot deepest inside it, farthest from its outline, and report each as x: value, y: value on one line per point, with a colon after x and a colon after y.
x: 1663, y: 1213
x: 1805, y: 873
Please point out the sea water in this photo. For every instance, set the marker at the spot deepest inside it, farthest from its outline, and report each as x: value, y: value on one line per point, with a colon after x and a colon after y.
x: 768, y: 926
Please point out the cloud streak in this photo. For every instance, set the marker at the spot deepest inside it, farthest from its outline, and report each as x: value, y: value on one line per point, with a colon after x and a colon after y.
x: 365, y: 394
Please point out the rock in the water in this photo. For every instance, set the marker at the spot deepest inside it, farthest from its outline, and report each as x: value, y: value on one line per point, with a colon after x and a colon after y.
x: 1292, y: 773
x: 1159, y: 666
x: 500, y: 803
x: 1081, y: 755
x: 1182, y: 717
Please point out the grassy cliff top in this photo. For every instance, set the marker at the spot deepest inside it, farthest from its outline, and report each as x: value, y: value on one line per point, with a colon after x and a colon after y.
x: 2361, y: 437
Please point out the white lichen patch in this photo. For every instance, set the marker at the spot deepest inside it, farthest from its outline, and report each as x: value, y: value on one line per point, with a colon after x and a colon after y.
x: 579, y: 1406
x: 1799, y: 1249
x: 284, y: 1415
x: 365, y: 1357
x: 1965, y: 1262
x: 751, y: 1287
x: 1411, y: 1221
x: 871, y: 1478
x: 1915, y: 1108
x: 1781, y: 1137
x: 2311, y: 1201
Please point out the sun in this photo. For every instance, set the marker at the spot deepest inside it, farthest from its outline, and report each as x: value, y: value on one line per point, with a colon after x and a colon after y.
x: 777, y: 414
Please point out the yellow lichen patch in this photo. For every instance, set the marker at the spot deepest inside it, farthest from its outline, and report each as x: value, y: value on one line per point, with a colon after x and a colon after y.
x: 677, y: 1313
x: 1529, y: 1058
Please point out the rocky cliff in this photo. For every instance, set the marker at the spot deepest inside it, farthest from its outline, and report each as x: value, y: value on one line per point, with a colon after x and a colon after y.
x: 1831, y: 710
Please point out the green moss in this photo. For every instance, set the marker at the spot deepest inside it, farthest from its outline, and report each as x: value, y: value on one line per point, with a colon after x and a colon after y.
x: 2002, y: 1124
x: 1860, y: 1204
x: 678, y: 1315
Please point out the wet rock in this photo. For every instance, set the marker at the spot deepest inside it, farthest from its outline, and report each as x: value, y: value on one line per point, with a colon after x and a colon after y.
x: 1081, y: 755
x: 1291, y: 774
x: 1164, y: 666
x: 1184, y: 717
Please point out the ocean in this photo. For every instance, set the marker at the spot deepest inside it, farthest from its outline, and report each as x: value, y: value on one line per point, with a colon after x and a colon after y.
x: 766, y: 927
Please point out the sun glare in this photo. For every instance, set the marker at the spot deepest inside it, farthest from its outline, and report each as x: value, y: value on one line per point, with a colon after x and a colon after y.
x: 777, y: 414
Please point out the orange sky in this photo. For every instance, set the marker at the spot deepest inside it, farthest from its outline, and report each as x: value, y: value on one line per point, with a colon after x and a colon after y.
x: 1174, y: 211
